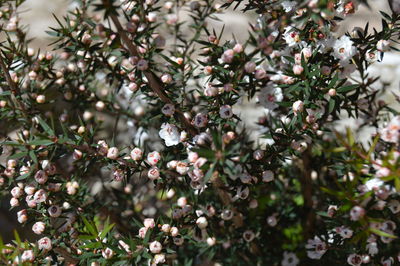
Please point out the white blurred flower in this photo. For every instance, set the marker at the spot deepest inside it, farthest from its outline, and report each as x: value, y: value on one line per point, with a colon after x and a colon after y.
x: 269, y: 96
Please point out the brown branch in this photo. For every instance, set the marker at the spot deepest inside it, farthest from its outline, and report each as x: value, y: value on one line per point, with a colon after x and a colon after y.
x: 307, y: 192
x: 154, y: 81
x: 13, y: 86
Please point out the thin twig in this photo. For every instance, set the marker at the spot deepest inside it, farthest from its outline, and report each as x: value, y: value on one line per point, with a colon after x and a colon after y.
x: 13, y: 87
x: 154, y: 81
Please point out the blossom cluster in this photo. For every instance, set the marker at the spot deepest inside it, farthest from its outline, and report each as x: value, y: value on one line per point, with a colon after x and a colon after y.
x: 124, y: 147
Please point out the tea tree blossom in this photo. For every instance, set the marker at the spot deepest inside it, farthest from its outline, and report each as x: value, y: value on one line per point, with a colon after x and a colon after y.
x: 316, y: 248
x: 344, y: 50
x: 130, y: 142
x: 170, y: 134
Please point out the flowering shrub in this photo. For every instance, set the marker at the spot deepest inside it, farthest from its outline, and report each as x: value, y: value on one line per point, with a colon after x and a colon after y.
x: 126, y: 144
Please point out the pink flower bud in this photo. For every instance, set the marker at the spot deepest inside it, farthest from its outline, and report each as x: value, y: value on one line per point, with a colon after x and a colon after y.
x: 17, y: 192
x: 41, y: 177
x: 297, y: 69
x: 155, y: 247
x: 153, y: 173
x: 113, y: 153
x: 149, y: 223
x: 38, y: 228
x: 153, y: 157
x: 14, y: 202
x: 298, y: 106
x: 202, y: 222
x: 238, y: 48
x: 166, y: 78
x: 249, y: 67
x: 22, y: 216
x: 44, y: 243
x: 136, y: 154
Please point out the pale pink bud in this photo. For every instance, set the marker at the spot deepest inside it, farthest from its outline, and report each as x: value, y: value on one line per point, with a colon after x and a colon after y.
x: 298, y: 106
x: 136, y: 154
x: 153, y: 173
x: 17, y: 192
x: 174, y: 231
x: 165, y: 228
x: 28, y: 256
x: 332, y: 92
x: 113, y: 153
x: 356, y: 213
x: 14, y: 202
x: 149, y: 223
x: 202, y: 222
x: 153, y: 157
x: 22, y: 216
x: 41, y: 177
x: 38, y: 228
x: 166, y: 78
x: 238, y: 48
x: 249, y: 67
x: 155, y: 247
x: 77, y: 154
x: 41, y: 99
x: 44, y: 243
x: 227, y: 56
x: 297, y: 69
x: 142, y: 232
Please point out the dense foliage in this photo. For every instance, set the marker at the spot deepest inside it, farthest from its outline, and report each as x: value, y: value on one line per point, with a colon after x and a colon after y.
x: 126, y: 144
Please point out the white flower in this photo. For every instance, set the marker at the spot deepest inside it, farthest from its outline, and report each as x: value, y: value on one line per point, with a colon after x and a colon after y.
x: 316, y: 248
x: 38, y: 228
x: 391, y: 133
x: 373, y: 183
x: 344, y: 232
x: 291, y: 36
x: 269, y: 96
x: 372, y: 248
x: 44, y: 243
x: 354, y: 259
x: 149, y: 223
x: 356, y: 213
x: 289, y: 259
x: 159, y: 259
x: 170, y: 134
x: 394, y: 206
x: 153, y: 157
x: 155, y: 247
x: 28, y: 256
x: 136, y: 154
x: 383, y: 46
x: 298, y: 107
x: 107, y: 253
x: 225, y: 111
x: 202, y: 222
x: 288, y: 6
x: 344, y: 50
